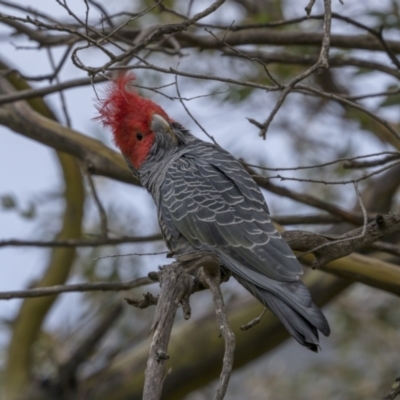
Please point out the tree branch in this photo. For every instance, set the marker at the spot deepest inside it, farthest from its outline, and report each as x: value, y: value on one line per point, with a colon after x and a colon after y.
x: 81, y: 242
x: 175, y: 284
x: 123, y: 379
x: 327, y: 248
x: 98, y: 158
x: 32, y: 313
x: 77, y: 287
x: 68, y: 370
x: 213, y: 282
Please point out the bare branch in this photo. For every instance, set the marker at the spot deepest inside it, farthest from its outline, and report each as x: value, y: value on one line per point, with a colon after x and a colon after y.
x: 349, y: 103
x: 361, y: 235
x: 307, y: 219
x: 349, y: 160
x: 80, y: 242
x: 175, y: 284
x: 213, y: 281
x: 253, y: 322
x: 321, y: 64
x: 309, y: 7
x: 78, y: 287
x: 341, y: 60
x: 102, y: 212
x: 157, y: 34
x: 337, y: 182
x: 343, y: 245
x: 306, y: 199
x: 373, y: 163
x: 68, y: 370
x: 31, y: 93
x: 189, y: 113
x: 100, y: 159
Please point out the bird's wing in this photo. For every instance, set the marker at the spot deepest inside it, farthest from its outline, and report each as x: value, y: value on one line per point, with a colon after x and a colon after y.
x: 211, y: 200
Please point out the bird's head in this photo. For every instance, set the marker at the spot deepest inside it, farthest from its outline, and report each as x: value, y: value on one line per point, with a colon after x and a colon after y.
x: 136, y: 123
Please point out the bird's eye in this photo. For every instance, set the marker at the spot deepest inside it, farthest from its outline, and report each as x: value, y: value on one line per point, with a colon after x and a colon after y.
x: 139, y: 136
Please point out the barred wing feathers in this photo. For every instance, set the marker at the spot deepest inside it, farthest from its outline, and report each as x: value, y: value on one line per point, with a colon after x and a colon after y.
x: 208, y: 198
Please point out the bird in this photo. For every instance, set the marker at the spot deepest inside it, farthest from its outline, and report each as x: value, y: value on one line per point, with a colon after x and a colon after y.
x: 207, y: 201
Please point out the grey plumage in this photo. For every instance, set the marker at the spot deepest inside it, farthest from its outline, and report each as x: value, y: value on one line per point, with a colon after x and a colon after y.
x: 207, y: 201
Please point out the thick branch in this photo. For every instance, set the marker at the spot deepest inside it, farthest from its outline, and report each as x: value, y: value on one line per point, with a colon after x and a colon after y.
x: 272, y: 37
x: 258, y: 36
x: 175, y: 284
x: 327, y: 249
x: 98, y: 158
x: 32, y: 313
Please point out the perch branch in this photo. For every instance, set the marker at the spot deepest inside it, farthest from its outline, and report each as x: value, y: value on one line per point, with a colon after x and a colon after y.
x: 175, y: 284
x: 213, y: 282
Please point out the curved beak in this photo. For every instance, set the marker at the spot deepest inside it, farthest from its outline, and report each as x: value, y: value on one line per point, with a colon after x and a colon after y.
x: 159, y: 124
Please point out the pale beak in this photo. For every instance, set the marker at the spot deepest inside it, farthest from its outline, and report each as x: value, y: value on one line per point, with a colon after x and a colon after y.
x: 159, y: 124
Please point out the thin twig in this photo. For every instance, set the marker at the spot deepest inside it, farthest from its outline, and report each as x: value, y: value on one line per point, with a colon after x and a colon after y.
x: 393, y: 155
x: 309, y: 7
x: 322, y: 63
x: 351, y: 104
x: 61, y: 92
x: 78, y: 287
x: 253, y: 322
x: 40, y: 92
x: 155, y: 253
x: 213, y: 282
x: 325, y: 182
x: 80, y: 242
x: 99, y: 205
x: 189, y: 113
x: 351, y: 164
x: 338, y: 241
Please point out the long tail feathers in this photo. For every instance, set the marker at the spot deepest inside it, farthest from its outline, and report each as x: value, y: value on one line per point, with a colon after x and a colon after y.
x: 303, y: 319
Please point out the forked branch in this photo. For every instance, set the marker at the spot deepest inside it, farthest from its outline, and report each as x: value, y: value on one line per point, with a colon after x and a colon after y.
x: 178, y: 281
x: 176, y: 284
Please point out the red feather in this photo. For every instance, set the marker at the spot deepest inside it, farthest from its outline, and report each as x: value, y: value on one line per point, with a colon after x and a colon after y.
x: 127, y: 114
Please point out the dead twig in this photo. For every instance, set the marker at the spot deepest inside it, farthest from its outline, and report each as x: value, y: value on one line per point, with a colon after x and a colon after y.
x: 253, y: 322
x: 213, y: 282
x: 321, y: 64
x: 99, y: 205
